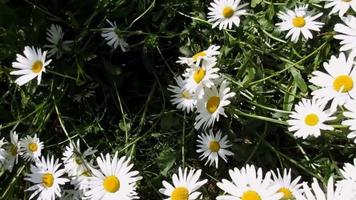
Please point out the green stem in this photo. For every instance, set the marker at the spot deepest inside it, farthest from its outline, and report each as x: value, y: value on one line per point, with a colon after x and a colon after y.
x: 61, y: 75
x: 239, y: 112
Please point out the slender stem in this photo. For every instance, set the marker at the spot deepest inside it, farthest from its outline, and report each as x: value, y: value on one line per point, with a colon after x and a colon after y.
x: 19, y: 172
x: 61, y: 121
x: 239, y: 112
x: 21, y: 119
x: 61, y: 75
x: 123, y: 115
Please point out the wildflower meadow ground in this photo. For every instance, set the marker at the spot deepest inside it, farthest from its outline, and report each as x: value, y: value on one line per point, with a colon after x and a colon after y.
x: 178, y: 99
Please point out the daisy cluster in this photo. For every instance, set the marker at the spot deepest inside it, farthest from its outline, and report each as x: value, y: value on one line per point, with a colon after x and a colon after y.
x: 203, y: 90
x: 111, y: 177
x: 250, y: 183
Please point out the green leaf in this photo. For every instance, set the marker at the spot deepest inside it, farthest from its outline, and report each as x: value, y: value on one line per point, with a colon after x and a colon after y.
x: 254, y: 3
x: 166, y: 160
x: 300, y: 83
x: 288, y: 100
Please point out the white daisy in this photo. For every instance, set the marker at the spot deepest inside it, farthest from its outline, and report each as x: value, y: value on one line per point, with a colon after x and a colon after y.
x: 30, y: 148
x: 338, y: 83
x: 348, y: 183
x: 182, y: 98
x: 185, y: 185
x: 351, y: 113
x: 308, y: 118
x: 291, y: 189
x: 55, y: 37
x: 212, y: 147
x: 225, y: 13
x: 299, y: 21
x: 340, y: 6
x: 212, y: 105
x: 30, y: 66
x: 316, y: 193
x: 208, y: 56
x: 347, y: 33
x: 46, y: 176
x: 2, y: 150
x: 114, y: 180
x: 75, y: 162
x: 113, y: 38
x: 12, y: 152
x: 248, y: 184
x: 198, y: 77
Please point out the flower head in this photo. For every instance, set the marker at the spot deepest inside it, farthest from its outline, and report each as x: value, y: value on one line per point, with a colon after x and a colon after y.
x: 226, y: 13
x: 112, y: 37
x: 185, y: 185
x: 47, y: 179
x: 30, y: 66
x: 299, y: 21
x: 212, y: 146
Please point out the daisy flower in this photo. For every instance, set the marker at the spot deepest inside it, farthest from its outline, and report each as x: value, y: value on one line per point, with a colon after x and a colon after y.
x: 208, y: 56
x: 182, y: 98
x: 225, y: 13
x: 291, y: 189
x: 12, y: 151
x: 212, y: 105
x: 113, y: 38
x: 338, y: 83
x: 308, y: 118
x: 351, y: 113
x: 316, y: 193
x: 347, y: 33
x: 299, y: 21
x: 2, y: 150
x: 55, y: 37
x: 248, y: 184
x: 340, y: 6
x: 30, y: 148
x: 198, y: 77
x: 47, y: 179
x: 185, y: 185
x: 348, y: 184
x: 113, y: 180
x: 30, y: 66
x: 212, y: 146
x: 74, y: 161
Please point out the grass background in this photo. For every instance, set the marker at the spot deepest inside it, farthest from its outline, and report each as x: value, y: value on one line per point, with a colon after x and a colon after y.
x: 118, y: 101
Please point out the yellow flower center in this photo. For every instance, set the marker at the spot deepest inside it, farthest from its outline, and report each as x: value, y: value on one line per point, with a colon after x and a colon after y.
x: 32, y: 147
x: 213, y: 104
x: 47, y: 180
x: 186, y: 95
x: 37, y: 66
x: 250, y: 195
x: 13, y: 150
x: 299, y: 22
x: 214, y: 146
x: 343, y: 81
x: 180, y: 193
x: 199, y: 75
x: 311, y: 119
x: 346, y: 1
x: 111, y: 184
x: 198, y: 55
x: 228, y: 12
x: 287, y: 194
